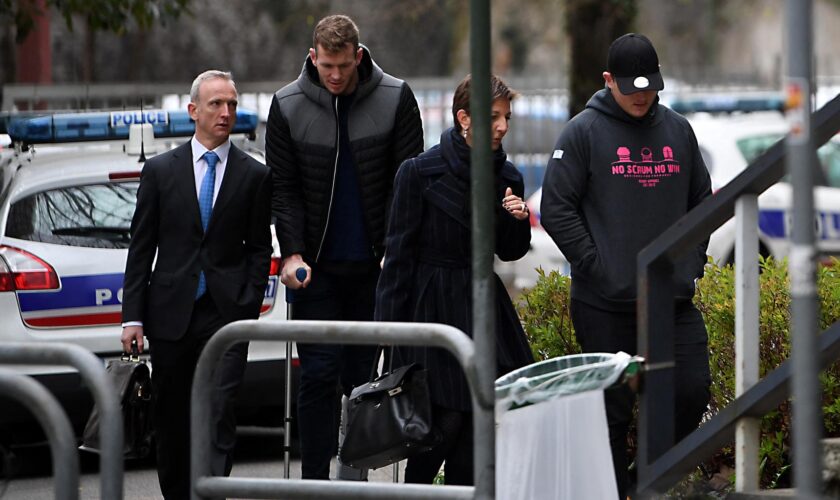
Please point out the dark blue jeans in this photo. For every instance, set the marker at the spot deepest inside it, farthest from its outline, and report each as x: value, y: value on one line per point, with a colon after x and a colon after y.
x: 598, y: 330
x: 326, y: 368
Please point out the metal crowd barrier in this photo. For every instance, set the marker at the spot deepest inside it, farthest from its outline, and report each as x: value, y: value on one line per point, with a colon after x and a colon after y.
x: 203, y: 485
x: 93, y: 373
x: 56, y: 425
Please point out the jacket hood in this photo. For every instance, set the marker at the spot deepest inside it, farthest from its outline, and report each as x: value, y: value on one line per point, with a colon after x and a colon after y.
x: 604, y: 102
x: 369, y: 77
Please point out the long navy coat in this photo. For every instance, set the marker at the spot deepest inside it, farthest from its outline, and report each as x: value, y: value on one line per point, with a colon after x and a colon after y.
x: 427, y: 272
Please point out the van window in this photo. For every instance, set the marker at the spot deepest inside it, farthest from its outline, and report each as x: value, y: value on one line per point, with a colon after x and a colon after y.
x: 829, y: 154
x: 753, y: 147
x: 96, y: 215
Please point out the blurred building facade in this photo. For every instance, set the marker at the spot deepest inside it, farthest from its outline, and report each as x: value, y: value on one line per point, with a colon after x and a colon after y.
x: 700, y: 41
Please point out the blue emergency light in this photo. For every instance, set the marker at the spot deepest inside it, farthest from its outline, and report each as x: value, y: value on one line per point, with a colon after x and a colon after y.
x: 728, y: 104
x: 104, y: 126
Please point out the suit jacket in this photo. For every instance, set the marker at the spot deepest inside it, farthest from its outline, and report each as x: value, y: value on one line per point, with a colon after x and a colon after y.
x: 234, y: 253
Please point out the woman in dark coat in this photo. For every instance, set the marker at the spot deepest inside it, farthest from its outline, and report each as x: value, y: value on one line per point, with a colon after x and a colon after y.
x: 427, y: 272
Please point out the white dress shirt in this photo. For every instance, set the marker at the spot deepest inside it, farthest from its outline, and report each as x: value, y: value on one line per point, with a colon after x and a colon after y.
x: 200, y: 165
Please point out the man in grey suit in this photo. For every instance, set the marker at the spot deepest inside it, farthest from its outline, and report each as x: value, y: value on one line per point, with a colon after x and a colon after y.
x: 202, y: 218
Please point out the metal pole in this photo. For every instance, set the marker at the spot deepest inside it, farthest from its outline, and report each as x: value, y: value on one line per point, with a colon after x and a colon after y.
x: 483, y: 246
x: 747, y: 429
x: 104, y: 394
x: 299, y: 489
x: 287, y: 414
x: 807, y: 418
x: 287, y: 397
x: 56, y: 425
x: 656, y: 343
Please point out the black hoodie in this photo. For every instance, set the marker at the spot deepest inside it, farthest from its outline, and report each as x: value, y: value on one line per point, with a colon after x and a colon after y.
x: 612, y: 185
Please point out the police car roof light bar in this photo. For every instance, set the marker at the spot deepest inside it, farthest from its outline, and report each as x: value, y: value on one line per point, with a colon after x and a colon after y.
x: 108, y: 126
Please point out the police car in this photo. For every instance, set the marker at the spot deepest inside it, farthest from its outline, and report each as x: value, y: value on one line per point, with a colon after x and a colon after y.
x: 733, y: 132
x: 68, y: 187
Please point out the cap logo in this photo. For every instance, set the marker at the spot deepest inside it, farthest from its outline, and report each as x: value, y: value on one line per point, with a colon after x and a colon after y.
x: 641, y: 82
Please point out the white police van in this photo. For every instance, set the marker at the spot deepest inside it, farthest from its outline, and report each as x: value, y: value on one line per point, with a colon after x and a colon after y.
x: 732, y: 132
x: 68, y: 187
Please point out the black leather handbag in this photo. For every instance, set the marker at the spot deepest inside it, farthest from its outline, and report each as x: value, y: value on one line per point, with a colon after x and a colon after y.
x: 389, y: 418
x: 133, y: 382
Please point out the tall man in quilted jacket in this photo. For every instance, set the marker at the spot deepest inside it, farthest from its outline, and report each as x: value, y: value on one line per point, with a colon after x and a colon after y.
x: 334, y: 140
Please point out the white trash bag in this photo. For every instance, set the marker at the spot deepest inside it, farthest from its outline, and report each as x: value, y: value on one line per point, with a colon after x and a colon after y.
x: 552, y: 440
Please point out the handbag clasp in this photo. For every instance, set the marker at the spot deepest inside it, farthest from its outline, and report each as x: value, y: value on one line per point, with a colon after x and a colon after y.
x: 395, y: 391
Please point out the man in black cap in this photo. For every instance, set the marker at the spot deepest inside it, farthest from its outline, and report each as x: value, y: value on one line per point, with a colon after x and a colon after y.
x: 622, y: 172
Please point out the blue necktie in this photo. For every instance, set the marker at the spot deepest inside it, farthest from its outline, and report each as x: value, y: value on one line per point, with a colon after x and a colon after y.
x: 205, y: 206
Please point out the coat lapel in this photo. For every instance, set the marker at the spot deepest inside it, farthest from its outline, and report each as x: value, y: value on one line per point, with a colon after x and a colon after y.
x: 448, y: 194
x: 230, y: 182
x: 182, y: 166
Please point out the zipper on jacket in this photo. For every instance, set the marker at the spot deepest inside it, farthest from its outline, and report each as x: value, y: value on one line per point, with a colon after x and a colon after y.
x: 335, y: 172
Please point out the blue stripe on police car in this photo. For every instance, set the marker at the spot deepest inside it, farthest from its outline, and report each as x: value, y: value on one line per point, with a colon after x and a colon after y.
x: 91, y: 291
x: 777, y: 223
x: 76, y: 291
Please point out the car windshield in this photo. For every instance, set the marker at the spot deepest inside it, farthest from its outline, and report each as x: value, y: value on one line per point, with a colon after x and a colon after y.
x: 96, y: 216
x: 752, y: 147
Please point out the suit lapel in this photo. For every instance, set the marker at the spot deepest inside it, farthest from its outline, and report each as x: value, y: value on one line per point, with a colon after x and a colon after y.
x: 182, y: 166
x: 448, y: 194
x: 230, y: 182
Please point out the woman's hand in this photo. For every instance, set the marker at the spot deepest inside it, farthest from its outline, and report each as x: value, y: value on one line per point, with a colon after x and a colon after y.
x: 515, y: 205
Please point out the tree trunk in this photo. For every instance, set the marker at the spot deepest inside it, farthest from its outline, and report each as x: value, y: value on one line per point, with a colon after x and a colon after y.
x: 8, y: 60
x: 89, y: 53
x: 592, y: 25
x: 137, y: 46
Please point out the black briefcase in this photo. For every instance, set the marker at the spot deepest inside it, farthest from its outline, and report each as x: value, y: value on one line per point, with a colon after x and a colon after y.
x: 133, y: 382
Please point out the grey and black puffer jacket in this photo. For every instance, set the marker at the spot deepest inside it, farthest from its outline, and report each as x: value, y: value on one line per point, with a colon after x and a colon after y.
x: 301, y: 144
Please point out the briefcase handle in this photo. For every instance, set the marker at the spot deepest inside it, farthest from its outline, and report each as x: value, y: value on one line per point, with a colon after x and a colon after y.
x: 134, y: 355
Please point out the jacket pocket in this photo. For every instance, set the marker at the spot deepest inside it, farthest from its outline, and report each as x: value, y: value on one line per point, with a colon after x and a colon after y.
x: 234, y: 277
x: 591, y: 266
x: 160, y: 278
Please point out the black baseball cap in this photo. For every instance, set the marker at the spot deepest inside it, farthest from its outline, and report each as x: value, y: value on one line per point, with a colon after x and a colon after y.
x: 634, y: 65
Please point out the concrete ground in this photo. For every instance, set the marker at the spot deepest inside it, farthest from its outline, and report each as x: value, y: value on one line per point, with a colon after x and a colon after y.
x: 258, y: 458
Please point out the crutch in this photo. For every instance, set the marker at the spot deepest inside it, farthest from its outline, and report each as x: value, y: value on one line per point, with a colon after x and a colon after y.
x: 300, y: 274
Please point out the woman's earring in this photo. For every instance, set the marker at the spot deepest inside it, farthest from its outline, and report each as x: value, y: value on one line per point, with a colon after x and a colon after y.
x: 465, y: 133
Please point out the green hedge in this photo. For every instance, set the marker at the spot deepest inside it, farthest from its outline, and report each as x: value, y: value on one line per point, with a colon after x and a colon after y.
x: 545, y: 314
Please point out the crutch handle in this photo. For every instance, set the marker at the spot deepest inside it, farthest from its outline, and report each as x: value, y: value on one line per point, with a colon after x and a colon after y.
x: 300, y: 275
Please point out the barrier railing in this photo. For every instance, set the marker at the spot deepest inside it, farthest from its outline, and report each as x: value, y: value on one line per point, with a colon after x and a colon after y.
x: 56, y: 425
x: 203, y: 485
x: 92, y: 371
